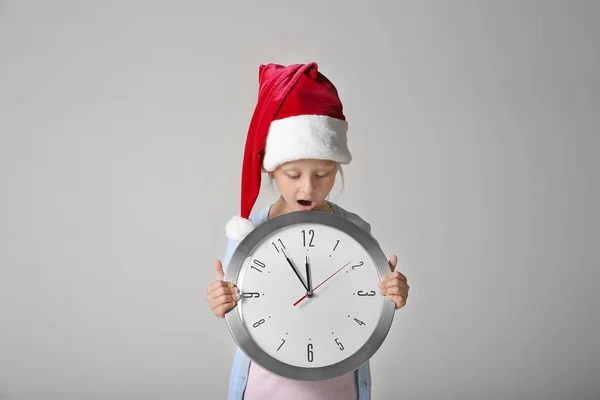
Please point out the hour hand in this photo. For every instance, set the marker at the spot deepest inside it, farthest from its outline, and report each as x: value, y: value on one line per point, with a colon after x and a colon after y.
x: 295, y: 271
x: 308, y: 277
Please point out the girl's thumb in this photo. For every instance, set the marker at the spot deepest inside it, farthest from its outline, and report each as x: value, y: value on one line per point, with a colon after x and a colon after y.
x: 219, y: 270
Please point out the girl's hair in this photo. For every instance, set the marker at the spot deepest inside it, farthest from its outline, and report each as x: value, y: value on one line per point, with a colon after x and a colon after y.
x: 339, y: 170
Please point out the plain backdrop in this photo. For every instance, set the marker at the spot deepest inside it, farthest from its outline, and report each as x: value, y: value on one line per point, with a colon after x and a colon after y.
x: 474, y: 127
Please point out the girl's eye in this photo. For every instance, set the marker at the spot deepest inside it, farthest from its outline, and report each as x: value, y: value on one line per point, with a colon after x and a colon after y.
x: 293, y: 176
x: 322, y: 176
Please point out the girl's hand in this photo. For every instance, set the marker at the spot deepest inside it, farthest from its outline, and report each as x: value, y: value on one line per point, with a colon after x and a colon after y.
x: 395, y: 285
x: 220, y: 295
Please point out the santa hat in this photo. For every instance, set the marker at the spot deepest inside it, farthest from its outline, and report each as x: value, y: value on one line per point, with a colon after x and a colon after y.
x: 298, y: 116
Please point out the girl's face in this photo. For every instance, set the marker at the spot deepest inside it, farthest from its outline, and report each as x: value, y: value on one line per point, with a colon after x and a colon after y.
x: 305, y: 184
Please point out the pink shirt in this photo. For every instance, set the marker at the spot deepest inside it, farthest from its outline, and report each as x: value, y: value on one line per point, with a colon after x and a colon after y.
x: 264, y: 385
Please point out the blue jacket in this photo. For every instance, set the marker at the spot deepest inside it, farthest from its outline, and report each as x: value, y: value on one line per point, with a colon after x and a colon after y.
x: 241, y: 363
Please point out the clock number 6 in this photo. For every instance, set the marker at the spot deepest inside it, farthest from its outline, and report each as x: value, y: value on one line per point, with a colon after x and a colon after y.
x: 310, y: 353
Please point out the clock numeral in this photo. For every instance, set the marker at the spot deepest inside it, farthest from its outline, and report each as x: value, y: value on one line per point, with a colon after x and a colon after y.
x: 340, y: 345
x: 312, y: 236
x: 249, y: 295
x: 360, y: 264
x: 361, y: 293
x: 336, y: 244
x: 258, y: 323
x: 274, y: 245
x: 282, y: 342
x: 358, y: 321
x: 260, y: 264
x: 310, y: 352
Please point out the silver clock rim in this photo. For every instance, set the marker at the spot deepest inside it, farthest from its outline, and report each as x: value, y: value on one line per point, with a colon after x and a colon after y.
x: 254, y: 352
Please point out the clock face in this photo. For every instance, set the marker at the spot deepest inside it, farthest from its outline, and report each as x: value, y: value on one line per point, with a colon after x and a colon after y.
x: 293, y: 329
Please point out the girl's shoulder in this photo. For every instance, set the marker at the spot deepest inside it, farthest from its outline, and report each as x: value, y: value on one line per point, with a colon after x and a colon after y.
x: 260, y: 216
x: 351, y: 216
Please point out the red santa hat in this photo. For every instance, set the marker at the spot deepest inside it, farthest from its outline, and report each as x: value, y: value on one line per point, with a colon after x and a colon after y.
x: 298, y: 116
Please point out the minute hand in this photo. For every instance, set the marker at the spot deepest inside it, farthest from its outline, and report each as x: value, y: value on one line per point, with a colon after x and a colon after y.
x: 295, y: 271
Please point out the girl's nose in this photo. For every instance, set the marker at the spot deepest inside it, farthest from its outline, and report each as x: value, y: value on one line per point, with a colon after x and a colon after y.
x: 308, y: 185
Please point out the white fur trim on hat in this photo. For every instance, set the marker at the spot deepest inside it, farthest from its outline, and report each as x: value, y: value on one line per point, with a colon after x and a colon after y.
x: 237, y: 228
x: 306, y: 136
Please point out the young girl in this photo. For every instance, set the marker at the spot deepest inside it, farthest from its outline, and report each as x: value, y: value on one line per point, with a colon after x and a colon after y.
x: 298, y: 136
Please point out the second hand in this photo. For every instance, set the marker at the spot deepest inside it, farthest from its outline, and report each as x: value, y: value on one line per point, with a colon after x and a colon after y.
x: 306, y: 295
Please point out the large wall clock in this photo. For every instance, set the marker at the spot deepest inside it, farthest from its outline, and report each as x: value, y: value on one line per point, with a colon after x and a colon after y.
x: 310, y: 308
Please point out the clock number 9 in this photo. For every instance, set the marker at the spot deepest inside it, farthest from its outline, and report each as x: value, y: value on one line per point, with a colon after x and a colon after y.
x: 310, y: 353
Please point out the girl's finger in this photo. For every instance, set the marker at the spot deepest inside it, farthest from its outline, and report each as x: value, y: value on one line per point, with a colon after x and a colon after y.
x: 222, y: 309
x: 217, y: 284
x: 398, y: 275
x: 219, y: 270
x: 227, y: 298
x: 396, y: 282
x: 393, y: 262
x: 398, y: 300
x: 399, y: 289
x: 396, y: 290
x: 393, y: 282
x: 223, y: 291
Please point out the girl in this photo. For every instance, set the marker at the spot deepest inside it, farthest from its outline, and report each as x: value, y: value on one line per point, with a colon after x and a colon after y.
x: 298, y: 136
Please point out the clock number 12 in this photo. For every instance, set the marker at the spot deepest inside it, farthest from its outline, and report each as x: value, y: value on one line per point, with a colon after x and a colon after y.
x: 312, y: 237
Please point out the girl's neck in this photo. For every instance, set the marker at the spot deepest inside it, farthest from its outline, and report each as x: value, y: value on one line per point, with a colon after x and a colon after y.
x: 280, y: 207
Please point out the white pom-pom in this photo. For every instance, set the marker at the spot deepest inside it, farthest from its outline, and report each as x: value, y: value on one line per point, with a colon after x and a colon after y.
x: 237, y: 228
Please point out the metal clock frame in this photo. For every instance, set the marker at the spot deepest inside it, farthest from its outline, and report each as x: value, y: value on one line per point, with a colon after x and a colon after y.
x: 254, y: 352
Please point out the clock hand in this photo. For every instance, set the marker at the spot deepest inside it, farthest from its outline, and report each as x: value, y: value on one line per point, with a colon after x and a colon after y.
x: 308, y: 280
x: 319, y: 285
x: 295, y: 271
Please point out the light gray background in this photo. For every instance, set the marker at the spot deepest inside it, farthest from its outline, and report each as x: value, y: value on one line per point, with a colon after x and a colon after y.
x: 475, y: 132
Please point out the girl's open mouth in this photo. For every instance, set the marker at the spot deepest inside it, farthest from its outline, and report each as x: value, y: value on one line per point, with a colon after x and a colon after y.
x: 306, y: 204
